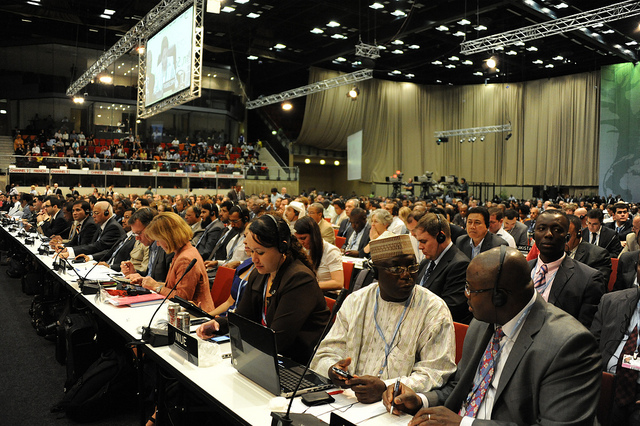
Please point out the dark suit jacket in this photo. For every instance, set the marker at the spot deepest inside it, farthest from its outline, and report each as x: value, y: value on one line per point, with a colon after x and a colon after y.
x: 160, y: 266
x: 627, y: 270
x: 456, y: 232
x: 594, y: 256
x: 123, y: 253
x: 612, y: 320
x: 209, y: 238
x: 626, y: 229
x: 520, y: 234
x: 235, y: 197
x: 608, y: 240
x: 363, y: 241
x: 86, y: 233
x: 56, y: 226
x: 459, y: 220
x: 345, y: 226
x: 102, y: 240
x: 576, y: 289
x: 552, y: 375
x: 490, y: 241
x: 447, y: 281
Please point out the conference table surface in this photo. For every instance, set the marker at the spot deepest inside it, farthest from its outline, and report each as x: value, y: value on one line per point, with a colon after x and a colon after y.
x: 220, y: 384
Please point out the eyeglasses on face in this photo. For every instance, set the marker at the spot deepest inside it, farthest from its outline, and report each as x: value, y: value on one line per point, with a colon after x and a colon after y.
x: 399, y: 270
x: 469, y: 292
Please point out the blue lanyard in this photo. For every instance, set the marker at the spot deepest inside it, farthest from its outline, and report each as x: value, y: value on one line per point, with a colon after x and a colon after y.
x: 243, y: 283
x: 389, y: 346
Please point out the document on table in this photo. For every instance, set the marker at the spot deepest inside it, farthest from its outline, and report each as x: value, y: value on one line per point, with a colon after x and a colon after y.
x: 99, y: 273
x: 347, y: 407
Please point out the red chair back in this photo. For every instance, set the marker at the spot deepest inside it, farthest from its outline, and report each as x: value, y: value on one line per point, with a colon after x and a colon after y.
x: 614, y: 273
x: 347, y: 270
x: 340, y: 241
x: 330, y: 302
x: 461, y: 332
x: 221, y: 287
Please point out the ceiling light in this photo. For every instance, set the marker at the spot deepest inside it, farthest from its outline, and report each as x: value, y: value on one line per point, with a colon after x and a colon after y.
x: 398, y: 52
x: 538, y: 62
x: 93, y: 30
x: 549, y: 66
x: 480, y: 28
x: 381, y: 47
x: 228, y: 9
x: 252, y: 57
x: 450, y: 66
x: 78, y: 99
x: 464, y: 22
x: 459, y: 34
x: 478, y: 73
x: 253, y: 15
x: 558, y: 58
x: 442, y: 28
x: 467, y: 62
x: 409, y: 75
x: 609, y: 31
x: 280, y: 46
x: 317, y: 31
x: 562, y: 5
x: 532, y: 49
x: 322, y: 162
x: 339, y: 36
x: 397, y: 42
x: 341, y: 59
x: 333, y: 24
x: 241, y: 1
x: 598, y: 25
x: 34, y: 3
x: 103, y: 16
x: 353, y: 93
x: 512, y: 53
x: 274, y: 132
x: 140, y: 50
x: 454, y: 58
x: 109, y: 12
x: 337, y: 163
x: 105, y: 79
x: 518, y: 43
x: 396, y: 72
x: 376, y: 5
x: 437, y: 62
x: 26, y: 20
x: 307, y: 161
x: 491, y: 63
x: 631, y: 43
x: 414, y: 46
x: 398, y: 13
x: 499, y: 48
x: 286, y: 106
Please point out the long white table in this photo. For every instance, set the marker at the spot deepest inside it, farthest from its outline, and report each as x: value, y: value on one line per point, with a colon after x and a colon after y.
x: 221, y: 385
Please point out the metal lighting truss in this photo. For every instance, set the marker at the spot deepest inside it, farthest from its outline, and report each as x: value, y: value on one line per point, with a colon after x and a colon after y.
x: 556, y: 26
x: 312, y: 88
x: 196, y: 71
x: 155, y: 19
x: 367, y: 51
x: 473, y: 131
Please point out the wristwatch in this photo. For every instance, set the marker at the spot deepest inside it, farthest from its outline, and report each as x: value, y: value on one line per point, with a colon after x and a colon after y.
x: 158, y: 289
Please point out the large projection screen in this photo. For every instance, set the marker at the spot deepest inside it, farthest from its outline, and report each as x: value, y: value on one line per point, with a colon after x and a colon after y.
x: 169, y: 59
x: 170, y: 71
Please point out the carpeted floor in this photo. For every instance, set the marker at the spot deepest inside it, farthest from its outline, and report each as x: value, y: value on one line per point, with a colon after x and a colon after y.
x: 31, y: 380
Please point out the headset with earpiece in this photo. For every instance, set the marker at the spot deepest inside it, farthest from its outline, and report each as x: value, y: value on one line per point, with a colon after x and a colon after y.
x: 440, y: 237
x: 499, y: 297
x: 283, y: 243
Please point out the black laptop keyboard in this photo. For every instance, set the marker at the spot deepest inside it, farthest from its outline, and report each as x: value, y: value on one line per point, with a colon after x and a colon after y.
x: 289, y: 380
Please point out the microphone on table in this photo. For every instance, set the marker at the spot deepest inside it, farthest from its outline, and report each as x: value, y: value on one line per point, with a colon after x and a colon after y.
x: 161, y: 337
x: 287, y: 419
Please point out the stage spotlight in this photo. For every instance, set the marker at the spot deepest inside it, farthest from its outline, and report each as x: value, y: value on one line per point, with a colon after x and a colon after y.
x: 105, y: 79
x: 462, y: 140
x: 337, y: 163
x: 482, y: 138
x: 508, y: 136
x: 322, y: 162
x: 491, y: 63
x: 287, y: 106
x: 353, y: 93
x: 307, y: 161
x: 78, y: 99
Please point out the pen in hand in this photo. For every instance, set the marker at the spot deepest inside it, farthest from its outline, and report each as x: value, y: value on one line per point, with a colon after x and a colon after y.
x: 396, y: 392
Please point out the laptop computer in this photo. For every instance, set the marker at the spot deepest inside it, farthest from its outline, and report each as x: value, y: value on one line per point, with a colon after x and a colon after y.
x: 255, y: 356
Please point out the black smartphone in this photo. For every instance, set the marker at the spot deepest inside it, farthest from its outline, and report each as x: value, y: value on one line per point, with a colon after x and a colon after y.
x: 342, y: 373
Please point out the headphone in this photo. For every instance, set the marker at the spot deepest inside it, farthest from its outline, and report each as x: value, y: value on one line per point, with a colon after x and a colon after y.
x: 440, y: 237
x: 283, y: 243
x: 499, y: 297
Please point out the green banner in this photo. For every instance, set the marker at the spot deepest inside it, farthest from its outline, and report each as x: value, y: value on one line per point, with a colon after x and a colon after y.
x: 620, y: 132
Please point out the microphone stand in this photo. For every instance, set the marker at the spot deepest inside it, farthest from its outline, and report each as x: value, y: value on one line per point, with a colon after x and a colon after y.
x: 287, y: 419
x: 156, y: 338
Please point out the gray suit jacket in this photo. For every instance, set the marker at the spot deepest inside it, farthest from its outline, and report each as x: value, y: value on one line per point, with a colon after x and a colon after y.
x: 608, y: 240
x: 490, y: 241
x: 632, y: 243
x: 594, y: 256
x: 209, y: 238
x: 612, y: 320
x: 576, y: 289
x: 627, y: 270
x: 520, y: 234
x: 364, y: 240
x: 552, y: 375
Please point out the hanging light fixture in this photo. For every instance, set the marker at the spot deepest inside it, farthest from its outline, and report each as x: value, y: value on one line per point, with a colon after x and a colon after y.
x: 353, y: 93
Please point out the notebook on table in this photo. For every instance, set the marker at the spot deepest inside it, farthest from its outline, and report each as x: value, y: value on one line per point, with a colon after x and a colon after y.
x: 254, y: 354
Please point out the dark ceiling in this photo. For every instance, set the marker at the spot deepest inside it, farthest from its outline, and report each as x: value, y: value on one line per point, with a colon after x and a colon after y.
x: 427, y: 52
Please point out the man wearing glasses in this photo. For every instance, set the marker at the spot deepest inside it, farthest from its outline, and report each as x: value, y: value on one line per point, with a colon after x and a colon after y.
x: 390, y: 330
x: 53, y: 222
x: 524, y: 361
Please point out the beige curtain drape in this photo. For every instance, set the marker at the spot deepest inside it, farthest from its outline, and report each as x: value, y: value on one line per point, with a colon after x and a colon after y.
x: 554, y: 141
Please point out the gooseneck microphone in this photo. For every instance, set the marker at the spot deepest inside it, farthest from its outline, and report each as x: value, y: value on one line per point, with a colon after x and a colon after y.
x: 302, y: 419
x: 161, y: 339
